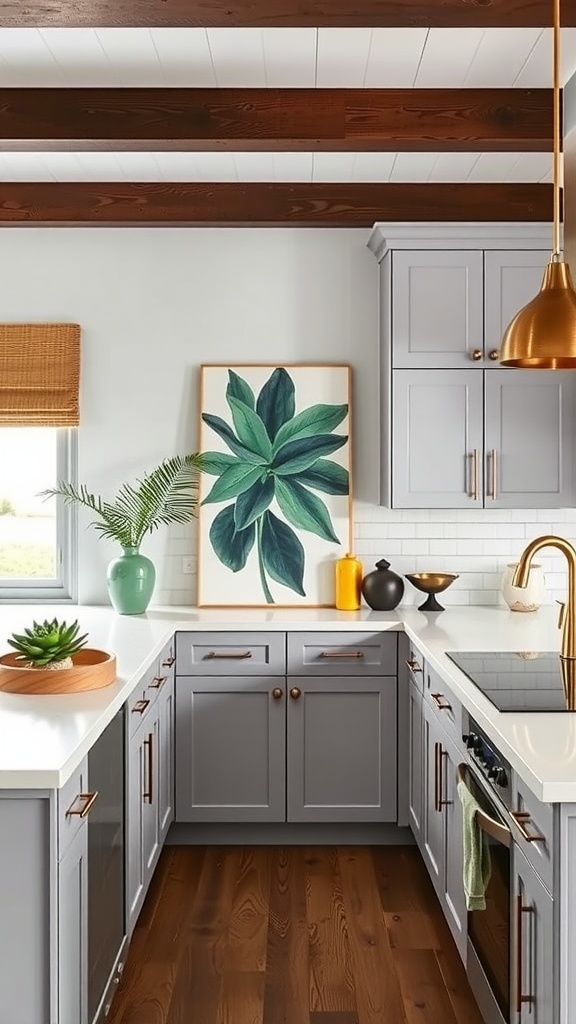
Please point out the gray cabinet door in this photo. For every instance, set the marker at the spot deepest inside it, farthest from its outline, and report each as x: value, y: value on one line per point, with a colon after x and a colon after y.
x: 530, y: 425
x: 166, y: 758
x: 342, y: 749
x: 415, y: 762
x: 437, y: 299
x: 142, y: 819
x: 73, y: 931
x: 437, y: 439
x: 454, y: 896
x: 230, y: 749
x: 534, y: 908
x: 433, y: 824
x: 512, y: 278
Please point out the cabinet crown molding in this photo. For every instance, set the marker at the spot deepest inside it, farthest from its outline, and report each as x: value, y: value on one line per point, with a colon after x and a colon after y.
x: 385, y: 236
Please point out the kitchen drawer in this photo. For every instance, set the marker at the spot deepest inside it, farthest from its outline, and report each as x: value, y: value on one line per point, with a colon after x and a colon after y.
x: 143, y: 697
x: 535, y: 819
x: 448, y: 709
x: 230, y: 654
x: 342, y: 654
x: 415, y: 665
x: 167, y: 660
x: 73, y: 800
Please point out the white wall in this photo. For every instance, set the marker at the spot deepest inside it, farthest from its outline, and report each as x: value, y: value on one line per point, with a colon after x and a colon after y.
x: 156, y: 303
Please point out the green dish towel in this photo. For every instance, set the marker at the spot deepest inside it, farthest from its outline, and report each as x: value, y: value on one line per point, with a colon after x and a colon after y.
x: 477, y: 865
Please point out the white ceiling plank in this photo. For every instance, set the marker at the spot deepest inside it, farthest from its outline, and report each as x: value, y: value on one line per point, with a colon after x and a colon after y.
x: 394, y: 57
x: 413, y: 167
x: 342, y: 57
x: 79, y: 54
x: 216, y: 167
x: 27, y: 61
x: 26, y: 167
x: 178, y: 166
x: 185, y: 57
x: 99, y: 166
x: 372, y: 166
x: 531, y: 167
x: 333, y: 166
x: 537, y: 71
x: 139, y: 166
x: 453, y: 167
x: 67, y: 167
x: 501, y: 55
x: 494, y: 167
x: 238, y: 57
x: 132, y: 56
x: 293, y: 166
x: 447, y: 56
x: 289, y: 57
x: 254, y: 166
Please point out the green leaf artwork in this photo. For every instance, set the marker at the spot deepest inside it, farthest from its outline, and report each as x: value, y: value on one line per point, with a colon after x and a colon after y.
x: 276, y: 461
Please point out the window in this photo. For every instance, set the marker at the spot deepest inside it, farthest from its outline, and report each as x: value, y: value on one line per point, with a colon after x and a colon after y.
x: 36, y: 534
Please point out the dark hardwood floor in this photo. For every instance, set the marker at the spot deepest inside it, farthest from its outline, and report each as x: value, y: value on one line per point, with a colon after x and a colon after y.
x: 292, y: 935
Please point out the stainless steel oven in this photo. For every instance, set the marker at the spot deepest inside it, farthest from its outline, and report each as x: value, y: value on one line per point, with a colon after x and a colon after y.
x: 491, y: 959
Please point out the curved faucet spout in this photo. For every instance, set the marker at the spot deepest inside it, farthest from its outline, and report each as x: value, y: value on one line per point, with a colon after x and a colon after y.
x: 568, y: 617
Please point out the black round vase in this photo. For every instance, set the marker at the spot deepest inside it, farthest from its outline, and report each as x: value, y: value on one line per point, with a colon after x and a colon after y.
x: 382, y: 589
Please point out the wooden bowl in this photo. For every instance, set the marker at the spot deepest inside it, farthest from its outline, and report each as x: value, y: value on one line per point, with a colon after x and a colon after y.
x: 91, y: 670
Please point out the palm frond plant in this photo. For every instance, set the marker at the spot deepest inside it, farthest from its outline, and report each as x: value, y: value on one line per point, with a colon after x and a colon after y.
x: 167, y: 494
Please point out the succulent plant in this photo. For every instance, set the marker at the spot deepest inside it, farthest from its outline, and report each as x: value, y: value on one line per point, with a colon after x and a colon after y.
x: 48, y: 644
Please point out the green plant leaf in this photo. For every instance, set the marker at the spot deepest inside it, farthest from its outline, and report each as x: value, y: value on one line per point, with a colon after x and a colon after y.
x: 240, y: 389
x: 253, y: 502
x: 214, y: 463
x: 230, y: 545
x: 234, y: 481
x: 282, y: 553
x: 276, y: 403
x: 220, y: 427
x: 317, y: 419
x: 304, y: 510
x: 326, y: 476
x: 297, y: 456
x: 250, y: 429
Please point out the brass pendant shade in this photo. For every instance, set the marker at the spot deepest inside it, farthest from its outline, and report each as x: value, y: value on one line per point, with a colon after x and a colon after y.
x: 542, y: 336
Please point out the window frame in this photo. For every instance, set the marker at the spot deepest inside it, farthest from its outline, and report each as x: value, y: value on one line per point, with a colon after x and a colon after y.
x: 63, y: 588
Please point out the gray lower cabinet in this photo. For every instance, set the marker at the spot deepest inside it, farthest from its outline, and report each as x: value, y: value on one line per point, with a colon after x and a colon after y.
x: 415, y: 762
x: 73, y: 931
x: 441, y: 833
x: 230, y: 748
x: 534, y: 909
x: 166, y: 758
x: 143, y: 824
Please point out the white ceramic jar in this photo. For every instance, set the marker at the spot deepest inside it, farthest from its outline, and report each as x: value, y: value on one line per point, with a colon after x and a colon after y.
x: 523, y: 599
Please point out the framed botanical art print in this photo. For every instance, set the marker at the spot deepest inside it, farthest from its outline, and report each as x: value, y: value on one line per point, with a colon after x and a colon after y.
x: 275, y: 492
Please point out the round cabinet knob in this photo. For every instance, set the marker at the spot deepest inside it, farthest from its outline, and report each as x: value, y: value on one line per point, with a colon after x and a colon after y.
x: 494, y: 355
x: 501, y: 778
x: 277, y: 693
x: 476, y: 354
x: 295, y: 693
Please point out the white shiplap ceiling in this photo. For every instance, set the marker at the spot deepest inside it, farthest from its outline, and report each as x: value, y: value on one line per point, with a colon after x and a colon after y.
x: 282, y: 58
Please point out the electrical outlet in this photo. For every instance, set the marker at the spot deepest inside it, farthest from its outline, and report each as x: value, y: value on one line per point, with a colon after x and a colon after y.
x: 188, y: 565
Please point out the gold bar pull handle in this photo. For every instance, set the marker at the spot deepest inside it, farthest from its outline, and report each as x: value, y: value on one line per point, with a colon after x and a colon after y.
x: 157, y: 683
x: 522, y: 818
x: 169, y: 662
x: 521, y: 997
x: 437, y: 756
x: 83, y: 811
x: 147, y: 795
x: 342, y: 654
x: 141, y: 705
x: 474, y: 475
x: 493, y: 458
x: 413, y: 665
x: 235, y: 655
x: 440, y: 701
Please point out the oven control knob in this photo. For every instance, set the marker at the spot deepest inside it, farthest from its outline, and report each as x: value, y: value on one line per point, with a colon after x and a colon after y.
x: 478, y: 746
x: 493, y: 772
x: 469, y: 739
x: 501, y: 778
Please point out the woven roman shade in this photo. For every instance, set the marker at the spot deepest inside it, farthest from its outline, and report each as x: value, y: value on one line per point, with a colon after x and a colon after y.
x: 39, y: 375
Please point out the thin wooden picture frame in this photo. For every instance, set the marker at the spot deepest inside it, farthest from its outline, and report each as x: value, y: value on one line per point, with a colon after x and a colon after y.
x: 275, y: 500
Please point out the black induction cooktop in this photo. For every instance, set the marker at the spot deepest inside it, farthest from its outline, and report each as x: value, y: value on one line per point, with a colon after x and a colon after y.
x: 515, y: 681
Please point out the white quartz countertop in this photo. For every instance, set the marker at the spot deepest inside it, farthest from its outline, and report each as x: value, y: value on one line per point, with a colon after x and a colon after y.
x: 43, y: 739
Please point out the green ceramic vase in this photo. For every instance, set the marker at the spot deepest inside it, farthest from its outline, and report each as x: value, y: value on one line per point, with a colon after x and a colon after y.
x: 131, y: 579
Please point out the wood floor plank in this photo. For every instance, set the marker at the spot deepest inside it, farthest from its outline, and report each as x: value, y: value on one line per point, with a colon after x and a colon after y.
x: 335, y: 1017
x: 411, y: 929
x: 402, y: 879
x: 286, y: 988
x: 331, y: 972
x: 247, y: 934
x: 377, y: 989
x: 196, y: 994
x: 426, y: 1000
x: 241, y: 998
x: 456, y: 982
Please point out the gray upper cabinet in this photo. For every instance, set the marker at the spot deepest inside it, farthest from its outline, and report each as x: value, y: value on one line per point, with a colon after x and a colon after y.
x: 529, y: 438
x: 437, y: 439
x: 437, y: 300
x: 342, y: 749
x: 511, y: 279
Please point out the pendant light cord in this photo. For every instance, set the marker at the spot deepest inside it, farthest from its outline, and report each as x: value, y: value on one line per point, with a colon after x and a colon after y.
x: 556, y: 165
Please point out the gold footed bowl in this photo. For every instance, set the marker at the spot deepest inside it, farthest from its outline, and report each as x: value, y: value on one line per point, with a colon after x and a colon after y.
x: 431, y: 583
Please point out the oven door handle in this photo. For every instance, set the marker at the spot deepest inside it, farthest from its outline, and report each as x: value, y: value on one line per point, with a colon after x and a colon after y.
x: 493, y: 828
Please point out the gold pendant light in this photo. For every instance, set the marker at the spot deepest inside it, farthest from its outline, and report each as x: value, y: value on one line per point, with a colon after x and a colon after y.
x: 542, y: 336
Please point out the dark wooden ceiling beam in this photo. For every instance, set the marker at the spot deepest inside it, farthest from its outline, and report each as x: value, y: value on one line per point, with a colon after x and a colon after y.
x: 242, y: 205
x: 283, y: 13
x: 386, y: 120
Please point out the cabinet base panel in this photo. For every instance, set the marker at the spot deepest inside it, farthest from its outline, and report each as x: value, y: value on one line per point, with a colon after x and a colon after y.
x: 286, y: 833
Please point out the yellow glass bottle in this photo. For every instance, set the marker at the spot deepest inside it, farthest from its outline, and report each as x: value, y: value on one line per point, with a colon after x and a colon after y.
x: 348, y: 583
